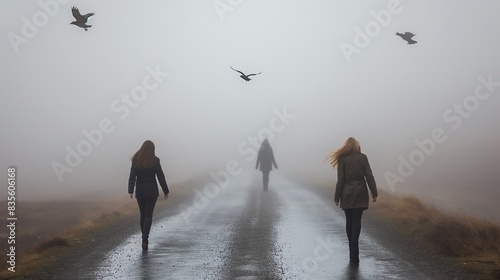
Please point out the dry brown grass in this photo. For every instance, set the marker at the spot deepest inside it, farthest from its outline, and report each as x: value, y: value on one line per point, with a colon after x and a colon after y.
x: 472, y: 241
x: 52, y: 242
x: 49, y: 227
x: 43, y: 225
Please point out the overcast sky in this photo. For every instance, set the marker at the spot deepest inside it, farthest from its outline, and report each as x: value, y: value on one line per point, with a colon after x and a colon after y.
x: 330, y: 70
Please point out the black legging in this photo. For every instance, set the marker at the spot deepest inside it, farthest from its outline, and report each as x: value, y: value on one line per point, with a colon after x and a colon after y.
x: 353, y: 229
x: 146, y: 207
x: 265, y: 178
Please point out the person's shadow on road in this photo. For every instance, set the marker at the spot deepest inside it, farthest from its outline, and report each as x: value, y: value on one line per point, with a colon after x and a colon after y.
x: 351, y: 272
x: 145, y: 266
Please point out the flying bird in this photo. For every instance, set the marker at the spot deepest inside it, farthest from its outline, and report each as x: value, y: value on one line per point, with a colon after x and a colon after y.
x: 243, y: 76
x: 407, y: 37
x: 81, y: 21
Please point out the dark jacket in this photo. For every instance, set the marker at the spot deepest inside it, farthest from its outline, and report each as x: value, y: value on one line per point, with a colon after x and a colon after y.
x: 265, y: 158
x: 354, y: 173
x: 145, y: 182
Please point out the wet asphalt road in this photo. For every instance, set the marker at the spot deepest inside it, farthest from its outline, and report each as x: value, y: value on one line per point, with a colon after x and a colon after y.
x: 243, y: 232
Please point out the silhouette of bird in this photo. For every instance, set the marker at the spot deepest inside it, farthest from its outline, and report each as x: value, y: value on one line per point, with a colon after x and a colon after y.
x: 407, y: 37
x: 243, y: 76
x: 81, y: 21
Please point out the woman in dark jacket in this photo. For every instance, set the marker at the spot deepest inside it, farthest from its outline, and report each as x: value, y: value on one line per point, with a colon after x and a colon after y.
x: 353, y: 174
x: 266, y: 161
x: 145, y: 168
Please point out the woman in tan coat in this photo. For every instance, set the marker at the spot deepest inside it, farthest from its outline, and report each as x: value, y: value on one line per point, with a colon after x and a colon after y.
x: 353, y: 174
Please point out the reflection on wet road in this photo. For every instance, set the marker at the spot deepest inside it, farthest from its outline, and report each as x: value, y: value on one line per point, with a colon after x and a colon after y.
x: 313, y: 245
x: 246, y: 233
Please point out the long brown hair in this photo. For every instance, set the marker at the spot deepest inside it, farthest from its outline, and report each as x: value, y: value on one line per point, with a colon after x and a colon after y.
x: 350, y: 146
x: 145, y: 156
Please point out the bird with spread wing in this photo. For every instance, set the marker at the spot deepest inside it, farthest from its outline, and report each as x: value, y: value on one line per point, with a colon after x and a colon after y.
x: 407, y: 36
x: 243, y: 75
x: 81, y: 21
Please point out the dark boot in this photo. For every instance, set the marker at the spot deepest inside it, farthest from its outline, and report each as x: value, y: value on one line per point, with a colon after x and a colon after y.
x: 144, y: 243
x: 353, y: 253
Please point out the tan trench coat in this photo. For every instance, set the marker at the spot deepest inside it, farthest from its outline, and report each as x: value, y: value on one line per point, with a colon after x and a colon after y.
x: 354, y: 173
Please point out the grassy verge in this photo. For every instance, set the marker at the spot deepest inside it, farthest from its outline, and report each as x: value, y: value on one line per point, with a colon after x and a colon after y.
x: 472, y: 241
x: 50, y: 231
x: 50, y: 226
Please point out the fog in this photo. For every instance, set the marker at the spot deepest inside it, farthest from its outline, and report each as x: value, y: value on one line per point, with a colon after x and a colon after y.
x: 322, y: 81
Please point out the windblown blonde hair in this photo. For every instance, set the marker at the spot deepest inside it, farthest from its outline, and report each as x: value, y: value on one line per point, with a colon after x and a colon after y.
x: 145, y: 157
x: 350, y: 146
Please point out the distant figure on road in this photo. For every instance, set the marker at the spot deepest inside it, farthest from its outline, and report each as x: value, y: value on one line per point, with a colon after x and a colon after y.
x: 145, y: 168
x: 353, y: 174
x: 266, y: 161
